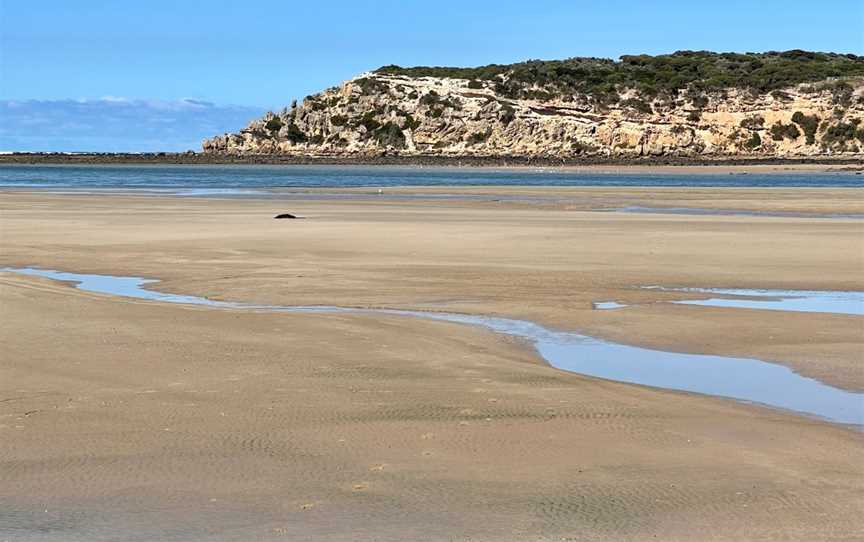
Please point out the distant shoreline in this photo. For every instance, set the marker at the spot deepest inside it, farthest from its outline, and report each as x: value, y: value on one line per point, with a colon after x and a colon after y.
x: 653, y: 163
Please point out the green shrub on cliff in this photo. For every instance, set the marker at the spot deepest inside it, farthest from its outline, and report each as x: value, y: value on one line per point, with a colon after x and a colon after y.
x: 410, y: 122
x: 434, y: 100
x: 842, y: 133
x: 755, y: 122
x: 780, y: 131
x: 581, y: 147
x: 295, y: 134
x: 369, y: 122
x: 652, y: 75
x: 841, y: 91
x: 638, y: 105
x: 369, y: 86
x: 273, y: 125
x: 781, y: 96
x: 699, y: 101
x: 479, y: 137
x: 431, y: 99
x: 753, y: 142
x: 389, y: 135
x: 808, y: 125
x: 507, y: 114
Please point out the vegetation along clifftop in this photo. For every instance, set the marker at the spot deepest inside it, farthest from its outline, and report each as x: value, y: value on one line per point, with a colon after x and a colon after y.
x: 690, y: 103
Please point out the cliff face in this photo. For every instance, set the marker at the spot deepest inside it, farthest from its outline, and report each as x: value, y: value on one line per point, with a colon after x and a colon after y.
x: 390, y: 114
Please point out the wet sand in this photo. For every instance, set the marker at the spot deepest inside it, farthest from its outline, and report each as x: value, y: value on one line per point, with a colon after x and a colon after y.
x: 806, y: 202
x: 169, y: 422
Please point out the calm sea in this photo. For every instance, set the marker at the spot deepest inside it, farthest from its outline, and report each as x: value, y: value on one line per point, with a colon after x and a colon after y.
x: 228, y: 179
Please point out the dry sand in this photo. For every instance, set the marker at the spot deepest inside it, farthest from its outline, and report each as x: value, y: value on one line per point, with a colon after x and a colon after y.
x: 130, y: 420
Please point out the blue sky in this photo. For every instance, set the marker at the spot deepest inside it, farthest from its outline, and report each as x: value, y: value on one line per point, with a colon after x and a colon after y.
x: 261, y: 54
x: 113, y: 124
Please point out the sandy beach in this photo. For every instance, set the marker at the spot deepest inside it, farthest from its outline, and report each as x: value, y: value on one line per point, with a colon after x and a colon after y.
x: 184, y: 423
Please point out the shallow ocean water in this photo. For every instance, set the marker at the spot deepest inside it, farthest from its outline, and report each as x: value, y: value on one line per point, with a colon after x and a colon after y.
x: 222, y: 178
x: 748, y: 380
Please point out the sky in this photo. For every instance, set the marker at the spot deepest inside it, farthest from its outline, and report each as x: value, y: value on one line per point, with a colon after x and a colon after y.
x: 246, y: 57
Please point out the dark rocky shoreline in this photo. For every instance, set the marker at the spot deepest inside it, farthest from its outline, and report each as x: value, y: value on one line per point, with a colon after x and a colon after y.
x: 189, y: 158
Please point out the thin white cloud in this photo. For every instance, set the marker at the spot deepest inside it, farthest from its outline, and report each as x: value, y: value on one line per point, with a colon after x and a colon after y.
x: 115, y: 99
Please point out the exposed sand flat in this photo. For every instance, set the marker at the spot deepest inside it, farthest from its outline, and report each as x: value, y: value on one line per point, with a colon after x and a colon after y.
x: 546, y: 265
x: 188, y: 423
x: 804, y: 201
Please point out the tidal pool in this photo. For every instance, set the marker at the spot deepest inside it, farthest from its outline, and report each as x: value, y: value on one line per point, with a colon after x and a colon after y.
x: 748, y: 380
x: 607, y: 305
x: 838, y: 302
x: 729, y: 212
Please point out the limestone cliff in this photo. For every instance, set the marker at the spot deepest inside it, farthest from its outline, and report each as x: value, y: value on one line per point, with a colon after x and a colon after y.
x: 399, y: 114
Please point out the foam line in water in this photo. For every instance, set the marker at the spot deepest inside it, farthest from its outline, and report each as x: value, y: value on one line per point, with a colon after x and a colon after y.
x: 748, y: 380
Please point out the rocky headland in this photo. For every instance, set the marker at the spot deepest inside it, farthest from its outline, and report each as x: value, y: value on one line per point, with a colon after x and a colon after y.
x: 688, y: 105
